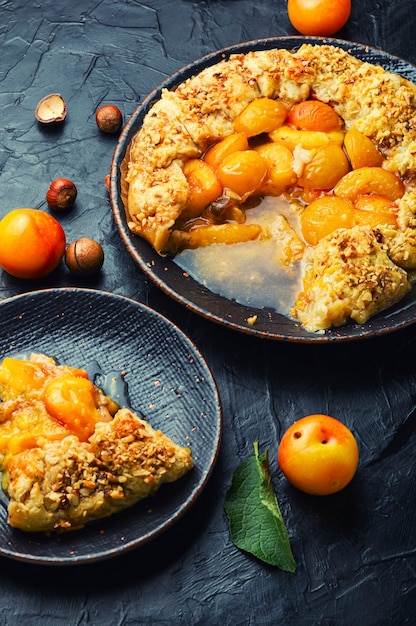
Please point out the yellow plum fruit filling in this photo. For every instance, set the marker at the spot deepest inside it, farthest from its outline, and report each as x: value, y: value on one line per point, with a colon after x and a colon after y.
x: 43, y: 402
x: 301, y: 152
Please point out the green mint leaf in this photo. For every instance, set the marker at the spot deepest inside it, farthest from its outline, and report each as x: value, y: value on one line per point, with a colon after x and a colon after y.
x: 256, y: 523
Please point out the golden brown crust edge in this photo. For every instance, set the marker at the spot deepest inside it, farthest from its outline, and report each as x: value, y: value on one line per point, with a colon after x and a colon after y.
x: 66, y: 484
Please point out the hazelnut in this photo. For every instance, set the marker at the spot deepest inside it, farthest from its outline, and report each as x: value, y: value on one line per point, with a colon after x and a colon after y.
x: 84, y: 257
x: 109, y: 118
x: 61, y: 193
x: 51, y: 109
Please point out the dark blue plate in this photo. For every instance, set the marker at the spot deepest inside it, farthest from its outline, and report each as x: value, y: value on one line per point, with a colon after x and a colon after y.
x: 170, y: 277
x: 168, y: 382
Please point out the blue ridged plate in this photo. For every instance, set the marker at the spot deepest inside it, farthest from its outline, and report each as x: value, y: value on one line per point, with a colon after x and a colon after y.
x: 167, y: 380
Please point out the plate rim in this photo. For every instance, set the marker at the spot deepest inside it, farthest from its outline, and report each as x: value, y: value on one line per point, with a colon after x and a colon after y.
x: 295, y: 334
x: 193, y: 494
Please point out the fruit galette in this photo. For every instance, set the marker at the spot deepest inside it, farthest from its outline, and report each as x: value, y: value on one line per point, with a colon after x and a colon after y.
x: 333, y: 136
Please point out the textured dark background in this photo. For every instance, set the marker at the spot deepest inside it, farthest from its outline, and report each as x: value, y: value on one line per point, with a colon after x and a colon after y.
x: 355, y: 551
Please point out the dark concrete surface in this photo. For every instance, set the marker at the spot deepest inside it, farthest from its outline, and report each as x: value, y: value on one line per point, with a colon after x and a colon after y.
x: 356, y: 550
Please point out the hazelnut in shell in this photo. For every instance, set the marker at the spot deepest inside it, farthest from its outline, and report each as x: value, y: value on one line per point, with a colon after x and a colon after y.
x: 61, y: 193
x: 109, y: 118
x: 84, y: 257
x: 51, y: 109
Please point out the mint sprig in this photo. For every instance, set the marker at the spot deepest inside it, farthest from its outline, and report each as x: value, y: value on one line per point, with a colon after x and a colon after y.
x: 256, y: 523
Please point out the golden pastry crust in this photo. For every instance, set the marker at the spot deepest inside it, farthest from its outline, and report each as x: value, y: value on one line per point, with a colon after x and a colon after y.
x: 350, y: 277
x: 65, y: 484
x: 202, y: 110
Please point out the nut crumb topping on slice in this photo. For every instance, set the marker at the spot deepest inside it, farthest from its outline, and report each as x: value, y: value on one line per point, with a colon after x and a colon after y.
x: 68, y: 483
